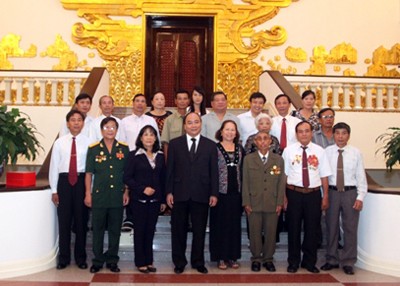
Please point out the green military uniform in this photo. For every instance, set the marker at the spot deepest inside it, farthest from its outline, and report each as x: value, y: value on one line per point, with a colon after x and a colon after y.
x: 107, y: 197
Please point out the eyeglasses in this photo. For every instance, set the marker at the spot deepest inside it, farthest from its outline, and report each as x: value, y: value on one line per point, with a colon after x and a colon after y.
x: 328, y: 116
x: 109, y: 128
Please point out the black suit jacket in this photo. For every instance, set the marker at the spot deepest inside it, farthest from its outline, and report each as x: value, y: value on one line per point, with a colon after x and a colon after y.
x: 138, y: 175
x: 195, y: 179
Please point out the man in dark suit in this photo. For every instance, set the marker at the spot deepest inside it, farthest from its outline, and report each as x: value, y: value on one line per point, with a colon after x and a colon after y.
x: 192, y: 187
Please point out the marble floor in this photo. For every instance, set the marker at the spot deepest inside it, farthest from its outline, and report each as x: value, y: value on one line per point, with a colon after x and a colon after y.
x: 72, y: 275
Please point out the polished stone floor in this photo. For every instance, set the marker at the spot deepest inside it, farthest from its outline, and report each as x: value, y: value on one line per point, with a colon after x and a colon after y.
x: 129, y: 275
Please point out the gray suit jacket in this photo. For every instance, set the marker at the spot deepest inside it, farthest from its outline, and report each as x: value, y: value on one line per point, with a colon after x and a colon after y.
x: 263, y: 186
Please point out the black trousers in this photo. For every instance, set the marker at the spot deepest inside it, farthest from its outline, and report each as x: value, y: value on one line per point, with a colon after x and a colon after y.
x: 72, y: 211
x: 198, y: 213
x: 303, y: 209
x: 144, y: 226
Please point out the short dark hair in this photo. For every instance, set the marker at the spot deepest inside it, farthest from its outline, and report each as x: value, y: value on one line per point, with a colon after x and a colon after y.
x: 303, y: 122
x: 307, y: 93
x: 257, y: 94
x: 181, y: 91
x: 152, y: 97
x: 138, y: 95
x: 108, y: 119
x: 186, y: 116
x: 341, y: 125
x: 83, y: 96
x: 323, y: 110
x: 218, y: 134
x: 215, y: 93
x: 139, y: 143
x: 74, y: 111
x: 282, y: 95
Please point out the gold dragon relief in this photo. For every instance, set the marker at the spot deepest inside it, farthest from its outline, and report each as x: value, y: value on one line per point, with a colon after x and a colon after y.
x: 10, y: 48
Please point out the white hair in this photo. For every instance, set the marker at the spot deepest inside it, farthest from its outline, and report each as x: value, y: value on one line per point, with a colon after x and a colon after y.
x: 262, y: 116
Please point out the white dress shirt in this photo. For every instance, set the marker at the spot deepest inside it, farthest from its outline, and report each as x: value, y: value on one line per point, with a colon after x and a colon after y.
x: 61, y: 155
x: 95, y: 130
x: 353, y: 168
x: 291, y: 123
x: 318, y: 165
x: 131, y: 126
x: 247, y: 125
x: 86, y: 127
x: 190, y: 142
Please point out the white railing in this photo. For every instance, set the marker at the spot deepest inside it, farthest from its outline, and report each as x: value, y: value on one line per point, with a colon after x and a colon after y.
x: 40, y: 87
x: 351, y: 93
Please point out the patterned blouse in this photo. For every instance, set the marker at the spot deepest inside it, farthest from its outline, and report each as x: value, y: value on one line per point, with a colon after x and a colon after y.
x: 224, y: 160
x: 313, y: 120
x: 160, y: 119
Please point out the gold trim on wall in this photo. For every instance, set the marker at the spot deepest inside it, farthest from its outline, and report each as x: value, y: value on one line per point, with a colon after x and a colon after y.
x: 116, y: 40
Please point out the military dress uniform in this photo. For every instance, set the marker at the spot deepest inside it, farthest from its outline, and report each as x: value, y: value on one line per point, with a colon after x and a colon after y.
x: 107, y: 197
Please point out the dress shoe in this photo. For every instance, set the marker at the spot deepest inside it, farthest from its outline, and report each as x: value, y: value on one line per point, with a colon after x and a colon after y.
x: 61, y: 266
x: 327, y: 266
x: 269, y: 266
x: 311, y: 268
x: 144, y: 269
x: 178, y: 270
x: 82, y: 265
x: 113, y: 267
x: 152, y: 268
x: 348, y: 270
x: 202, y: 269
x: 292, y: 268
x: 255, y: 266
x: 95, y: 269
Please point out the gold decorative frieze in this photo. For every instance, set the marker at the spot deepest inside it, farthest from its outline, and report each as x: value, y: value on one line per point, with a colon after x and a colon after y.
x: 297, y: 55
x: 382, y: 57
x: 68, y: 58
x: 342, y: 54
x: 9, y: 48
x: 238, y: 80
x: 236, y: 34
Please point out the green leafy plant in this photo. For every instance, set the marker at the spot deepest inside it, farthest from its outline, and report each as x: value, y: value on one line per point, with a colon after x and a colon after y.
x: 391, y: 147
x: 17, y: 136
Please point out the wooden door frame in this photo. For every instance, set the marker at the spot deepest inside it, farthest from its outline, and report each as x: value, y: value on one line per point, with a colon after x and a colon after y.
x: 154, y: 22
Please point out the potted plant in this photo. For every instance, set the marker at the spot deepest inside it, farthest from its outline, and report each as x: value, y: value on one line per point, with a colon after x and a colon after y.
x: 391, y: 147
x: 17, y: 137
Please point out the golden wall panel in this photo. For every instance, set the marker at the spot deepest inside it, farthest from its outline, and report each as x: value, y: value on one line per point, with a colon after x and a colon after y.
x: 116, y: 41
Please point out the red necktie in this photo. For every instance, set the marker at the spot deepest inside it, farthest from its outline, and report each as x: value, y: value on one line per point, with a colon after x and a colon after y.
x: 73, y: 173
x: 306, y: 178
x: 283, y: 141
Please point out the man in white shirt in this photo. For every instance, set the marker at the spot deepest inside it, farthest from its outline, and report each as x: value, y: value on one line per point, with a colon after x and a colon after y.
x: 106, y: 104
x: 67, y: 183
x: 347, y: 189
x: 83, y: 103
x: 213, y: 120
x: 247, y: 119
x: 132, y: 124
x: 284, y: 121
x: 307, y: 169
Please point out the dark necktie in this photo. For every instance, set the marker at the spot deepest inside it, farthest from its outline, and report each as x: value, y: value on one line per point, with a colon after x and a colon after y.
x: 192, y: 150
x: 264, y: 160
x: 283, y: 141
x: 73, y: 173
x: 339, y: 172
x: 306, y: 178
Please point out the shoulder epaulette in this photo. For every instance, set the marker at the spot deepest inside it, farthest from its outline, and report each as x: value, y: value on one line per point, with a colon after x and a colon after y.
x: 94, y: 144
x: 123, y: 143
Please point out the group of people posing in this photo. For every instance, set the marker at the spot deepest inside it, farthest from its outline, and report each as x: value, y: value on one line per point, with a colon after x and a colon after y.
x: 193, y: 162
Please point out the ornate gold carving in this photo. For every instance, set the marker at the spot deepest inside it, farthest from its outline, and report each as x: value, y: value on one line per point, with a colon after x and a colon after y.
x: 349, y: 72
x: 342, y: 54
x: 9, y: 48
x: 295, y: 54
x: 125, y: 78
x: 381, y: 58
x: 235, y: 34
x: 238, y: 80
x: 68, y: 59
